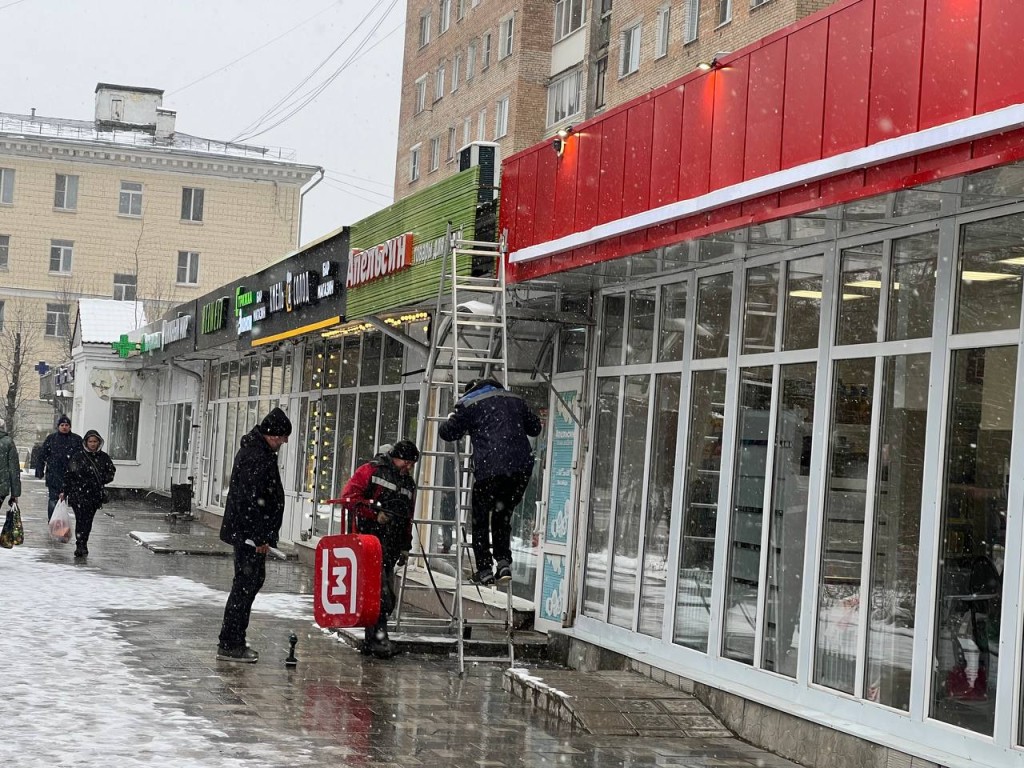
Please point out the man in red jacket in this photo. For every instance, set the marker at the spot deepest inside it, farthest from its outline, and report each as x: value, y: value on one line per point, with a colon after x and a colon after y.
x: 382, y: 494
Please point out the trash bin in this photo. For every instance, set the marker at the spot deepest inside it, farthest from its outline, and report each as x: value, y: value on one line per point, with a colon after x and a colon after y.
x: 181, y: 498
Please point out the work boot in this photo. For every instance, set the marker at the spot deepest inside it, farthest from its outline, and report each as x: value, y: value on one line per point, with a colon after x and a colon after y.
x: 484, y: 577
x: 377, y: 643
x: 503, y: 571
x: 243, y: 654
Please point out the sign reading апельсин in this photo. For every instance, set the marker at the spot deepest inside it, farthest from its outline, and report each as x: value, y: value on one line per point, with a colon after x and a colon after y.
x: 379, y: 260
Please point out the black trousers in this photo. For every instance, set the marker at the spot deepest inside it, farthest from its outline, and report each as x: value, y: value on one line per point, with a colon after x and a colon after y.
x: 83, y: 525
x: 250, y: 573
x: 388, y: 536
x: 494, y: 500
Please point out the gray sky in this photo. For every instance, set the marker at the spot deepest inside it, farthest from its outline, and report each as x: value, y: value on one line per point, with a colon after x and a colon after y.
x: 57, y: 50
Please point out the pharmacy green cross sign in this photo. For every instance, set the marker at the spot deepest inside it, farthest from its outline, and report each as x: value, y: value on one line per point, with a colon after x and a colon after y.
x: 123, y: 347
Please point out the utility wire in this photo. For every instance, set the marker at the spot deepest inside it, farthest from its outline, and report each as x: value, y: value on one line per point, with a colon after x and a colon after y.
x: 16, y: 2
x: 343, y: 186
x: 255, y: 125
x: 250, y: 53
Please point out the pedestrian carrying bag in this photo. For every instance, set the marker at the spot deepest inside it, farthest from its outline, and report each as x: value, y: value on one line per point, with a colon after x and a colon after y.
x: 12, y: 533
x: 60, y: 523
x: 347, y: 576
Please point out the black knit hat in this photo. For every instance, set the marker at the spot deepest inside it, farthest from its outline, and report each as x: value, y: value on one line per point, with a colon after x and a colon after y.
x: 63, y: 420
x: 276, y: 424
x: 406, y: 450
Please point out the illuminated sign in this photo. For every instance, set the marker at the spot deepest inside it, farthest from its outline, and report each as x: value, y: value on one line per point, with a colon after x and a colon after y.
x: 298, y: 289
x: 177, y: 329
x: 380, y: 260
x: 214, y: 315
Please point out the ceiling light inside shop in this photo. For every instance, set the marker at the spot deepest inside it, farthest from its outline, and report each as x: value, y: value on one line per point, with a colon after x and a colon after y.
x: 875, y: 285
x: 816, y: 295
x: 1017, y: 261
x: 985, y: 277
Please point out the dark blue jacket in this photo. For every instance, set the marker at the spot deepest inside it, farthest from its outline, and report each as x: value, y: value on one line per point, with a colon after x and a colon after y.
x: 56, y: 455
x: 498, y: 422
x: 255, y: 505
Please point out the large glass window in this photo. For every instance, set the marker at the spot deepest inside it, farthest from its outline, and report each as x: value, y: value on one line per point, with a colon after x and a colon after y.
x: 601, y: 501
x: 714, y: 304
x: 124, y: 430
x: 612, y: 323
x: 640, y: 342
x: 860, y: 294
x: 803, y: 303
x: 912, y: 287
x: 976, y: 479
x: 672, y: 327
x: 989, y: 271
x: 700, y: 509
x: 760, y: 309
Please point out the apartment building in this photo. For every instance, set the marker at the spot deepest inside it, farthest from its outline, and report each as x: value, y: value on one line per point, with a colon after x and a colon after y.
x: 515, y: 71
x: 124, y: 206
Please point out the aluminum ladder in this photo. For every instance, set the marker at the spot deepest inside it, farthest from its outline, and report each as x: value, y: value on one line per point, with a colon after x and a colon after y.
x: 468, y: 340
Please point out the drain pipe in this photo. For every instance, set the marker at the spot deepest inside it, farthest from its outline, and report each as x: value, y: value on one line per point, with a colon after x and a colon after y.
x: 193, y: 448
x: 302, y: 194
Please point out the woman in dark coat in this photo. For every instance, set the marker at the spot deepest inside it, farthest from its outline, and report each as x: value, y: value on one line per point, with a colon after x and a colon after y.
x: 87, y: 473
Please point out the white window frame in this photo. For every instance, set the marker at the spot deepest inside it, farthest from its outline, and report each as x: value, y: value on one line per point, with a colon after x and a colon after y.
x: 471, y: 61
x: 435, y: 153
x: 414, y: 163
x: 5, y: 251
x: 64, y: 253
x: 58, y: 321
x: 663, y: 31
x: 570, y: 16
x: 506, y: 36
x: 130, y: 199
x: 439, y: 82
x: 758, y: 3
x: 629, y: 49
x: 122, y: 286
x: 500, y: 117
x: 456, y: 71
x: 188, y: 267
x: 460, y: 10
x: 467, y: 130
x: 192, y: 202
x: 444, y: 12
x: 563, y: 93
x: 425, y: 28
x: 724, y: 12
x: 486, y: 53
x: 691, y: 20
x: 66, y: 198
x: 452, y: 138
x: 481, y: 125
x: 7, y: 186
x: 421, y: 95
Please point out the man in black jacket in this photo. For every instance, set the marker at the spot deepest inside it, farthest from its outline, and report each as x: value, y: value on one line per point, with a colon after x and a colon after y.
x: 499, y: 424
x: 252, y: 518
x: 53, y: 459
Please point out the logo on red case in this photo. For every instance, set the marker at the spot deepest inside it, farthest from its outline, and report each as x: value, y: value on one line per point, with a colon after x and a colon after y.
x: 339, y: 584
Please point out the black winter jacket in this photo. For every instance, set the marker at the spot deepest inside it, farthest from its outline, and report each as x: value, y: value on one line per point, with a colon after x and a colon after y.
x: 85, y: 477
x: 498, y: 422
x: 56, y: 455
x: 255, y: 506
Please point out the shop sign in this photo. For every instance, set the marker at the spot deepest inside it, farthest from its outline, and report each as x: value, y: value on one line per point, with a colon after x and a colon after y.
x: 177, y: 329
x: 433, y: 249
x: 151, y: 342
x: 380, y: 260
x: 298, y: 289
x: 214, y: 315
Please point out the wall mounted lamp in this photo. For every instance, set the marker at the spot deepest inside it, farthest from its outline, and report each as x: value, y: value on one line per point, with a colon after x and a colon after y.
x: 561, y: 137
x: 715, y: 63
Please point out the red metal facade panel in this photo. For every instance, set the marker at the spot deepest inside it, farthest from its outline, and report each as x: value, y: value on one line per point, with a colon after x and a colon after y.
x: 668, y: 112
x: 544, y: 207
x: 1000, y: 74
x: 847, y: 78
x: 526, y: 200
x: 950, y: 61
x: 729, y: 130
x: 636, y: 188
x: 613, y: 158
x: 565, y: 190
x: 507, y: 204
x: 805, y: 95
x: 763, y: 151
x: 695, y: 137
x: 588, y: 146
x: 895, y: 68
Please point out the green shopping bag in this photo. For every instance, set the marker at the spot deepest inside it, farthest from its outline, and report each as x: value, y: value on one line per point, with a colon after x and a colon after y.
x: 7, y: 532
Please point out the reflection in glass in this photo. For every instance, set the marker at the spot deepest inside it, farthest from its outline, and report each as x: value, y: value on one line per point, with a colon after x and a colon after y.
x: 912, y: 287
x: 979, y: 431
x: 843, y: 533
x: 994, y: 186
x: 788, y: 521
x: 659, y: 504
x: 605, y: 430
x: 897, y: 522
x: 369, y: 366
x: 328, y: 440
x: 700, y: 509
x: 393, y: 362
x: 390, y: 405
x: 641, y: 327
x: 366, y: 429
x: 410, y: 415
x: 345, y: 438
x: 714, y: 302
x: 611, y: 329
x: 919, y: 201
x: 803, y: 303
x: 672, y: 328
x: 860, y: 292
x: 629, y: 499
x: 989, y: 271
x: 747, y: 514
x: 760, y: 309
x: 349, y: 361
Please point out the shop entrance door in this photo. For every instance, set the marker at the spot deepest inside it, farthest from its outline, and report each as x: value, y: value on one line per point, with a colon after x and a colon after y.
x: 558, y: 513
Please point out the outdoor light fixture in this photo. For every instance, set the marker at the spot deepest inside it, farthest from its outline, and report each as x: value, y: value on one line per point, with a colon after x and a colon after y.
x: 558, y: 143
x: 715, y: 63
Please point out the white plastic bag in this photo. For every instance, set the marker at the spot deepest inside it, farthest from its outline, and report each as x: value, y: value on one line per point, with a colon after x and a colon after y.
x: 60, y: 523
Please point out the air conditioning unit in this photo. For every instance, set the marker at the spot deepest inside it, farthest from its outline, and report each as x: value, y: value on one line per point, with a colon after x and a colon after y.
x: 487, y: 155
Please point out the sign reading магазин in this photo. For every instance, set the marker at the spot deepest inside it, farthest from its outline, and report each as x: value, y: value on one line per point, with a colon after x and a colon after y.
x: 380, y: 260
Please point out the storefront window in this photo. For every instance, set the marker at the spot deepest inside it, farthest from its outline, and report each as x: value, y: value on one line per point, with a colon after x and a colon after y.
x: 700, y: 509
x: 860, y: 294
x: 123, y: 443
x: 390, y: 413
x: 222, y: 386
x: 787, y: 524
x: 181, y: 428
x: 912, y: 287
x: 366, y: 429
x: 605, y: 438
x: 846, y: 486
x: 350, y: 361
x: 892, y: 598
x: 760, y: 309
x: 611, y: 331
x: 233, y: 379
x: 369, y: 366
x: 343, y: 455
x: 672, y: 328
x: 393, y: 360
x: 328, y: 438
x: 803, y: 303
x: 714, y: 303
x: 410, y: 420
x: 629, y: 497
x: 641, y: 327
x: 990, y: 267
x: 654, y: 573
x: 979, y: 432
x: 333, y: 365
